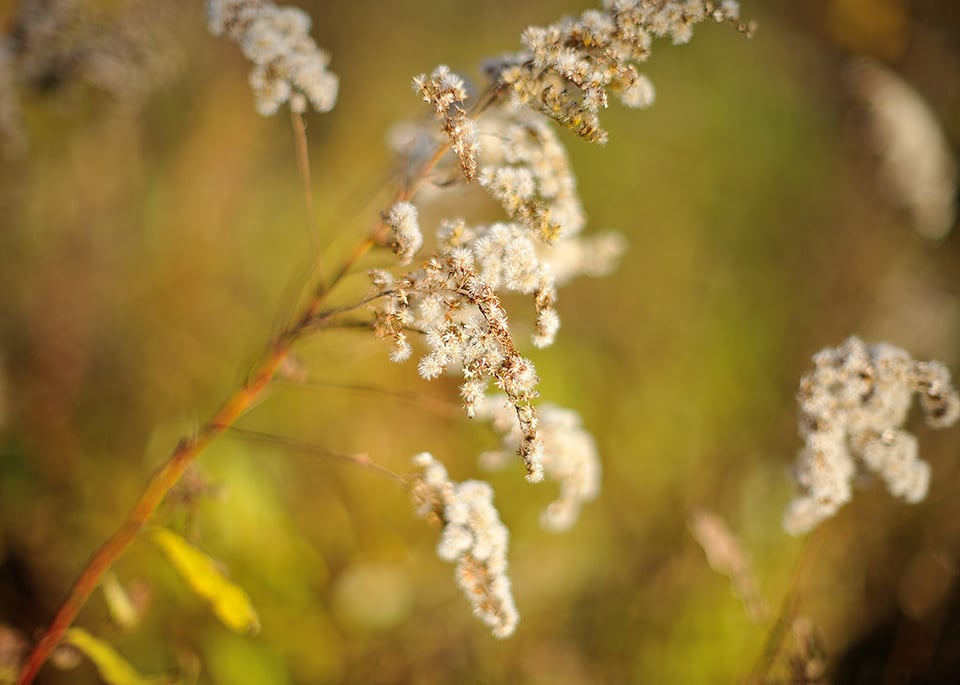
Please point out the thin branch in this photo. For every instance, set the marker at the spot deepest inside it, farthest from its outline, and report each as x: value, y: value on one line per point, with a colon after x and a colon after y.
x: 303, y: 167
x: 157, y: 488
x: 789, y: 608
x: 322, y: 318
x: 434, y: 403
x: 362, y: 459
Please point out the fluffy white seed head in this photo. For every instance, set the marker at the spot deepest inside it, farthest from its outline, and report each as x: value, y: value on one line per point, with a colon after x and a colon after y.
x: 567, y: 68
x: 288, y: 65
x: 446, y: 93
x: 569, y: 456
x: 473, y: 537
x: 406, y: 236
x: 853, y: 406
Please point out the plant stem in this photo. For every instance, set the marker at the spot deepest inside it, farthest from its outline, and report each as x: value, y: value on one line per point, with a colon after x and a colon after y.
x: 789, y: 608
x: 362, y: 459
x: 190, y: 448
x: 158, y: 487
x: 303, y: 167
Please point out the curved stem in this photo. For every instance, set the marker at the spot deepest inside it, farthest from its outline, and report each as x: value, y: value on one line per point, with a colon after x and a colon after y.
x: 436, y: 404
x: 788, y: 611
x: 168, y: 476
x: 190, y: 448
x: 159, y: 485
x: 362, y: 459
x: 303, y: 167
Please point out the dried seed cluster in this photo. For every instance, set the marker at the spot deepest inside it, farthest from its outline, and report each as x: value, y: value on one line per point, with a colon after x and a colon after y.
x: 852, y: 409
x: 288, y: 65
x: 473, y: 537
x: 464, y: 325
x: 569, y: 456
x: 446, y: 93
x: 568, y: 67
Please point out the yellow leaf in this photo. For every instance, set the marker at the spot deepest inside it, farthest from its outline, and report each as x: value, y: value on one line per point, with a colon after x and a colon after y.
x: 121, y: 607
x: 229, y: 601
x: 113, y: 668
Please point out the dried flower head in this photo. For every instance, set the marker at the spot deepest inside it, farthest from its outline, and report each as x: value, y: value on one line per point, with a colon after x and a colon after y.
x: 726, y: 555
x: 854, y: 404
x: 527, y: 170
x: 569, y: 456
x: 473, y: 537
x: 47, y: 44
x: 568, y: 68
x: 453, y: 298
x: 407, y: 239
x: 446, y: 93
x: 465, y: 326
x: 288, y: 65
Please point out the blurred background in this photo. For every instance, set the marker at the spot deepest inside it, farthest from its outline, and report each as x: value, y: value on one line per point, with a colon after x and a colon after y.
x: 152, y: 234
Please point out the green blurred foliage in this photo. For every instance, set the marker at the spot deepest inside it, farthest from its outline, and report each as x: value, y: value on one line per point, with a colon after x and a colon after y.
x: 146, y: 255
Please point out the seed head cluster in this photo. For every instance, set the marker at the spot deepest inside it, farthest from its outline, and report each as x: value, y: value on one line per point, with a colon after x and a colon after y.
x: 527, y: 170
x: 568, y: 68
x: 465, y: 326
x: 852, y: 409
x: 447, y: 94
x: 407, y: 239
x: 473, y: 537
x: 451, y: 297
x: 569, y: 456
x: 288, y: 65
x: 453, y: 300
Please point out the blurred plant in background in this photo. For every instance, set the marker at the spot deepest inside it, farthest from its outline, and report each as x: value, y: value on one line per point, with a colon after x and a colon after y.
x: 854, y: 404
x: 916, y: 163
x: 146, y: 247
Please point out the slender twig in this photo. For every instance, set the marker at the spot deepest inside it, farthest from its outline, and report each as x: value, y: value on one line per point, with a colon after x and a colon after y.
x: 163, y: 481
x: 362, y: 459
x: 435, y: 403
x: 789, y: 608
x: 303, y: 166
x: 159, y: 485
x: 321, y: 318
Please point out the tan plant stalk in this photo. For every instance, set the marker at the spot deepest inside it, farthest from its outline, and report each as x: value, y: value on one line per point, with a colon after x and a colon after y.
x: 303, y: 167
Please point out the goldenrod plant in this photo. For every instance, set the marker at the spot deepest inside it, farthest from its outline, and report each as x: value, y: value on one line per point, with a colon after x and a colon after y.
x: 434, y: 349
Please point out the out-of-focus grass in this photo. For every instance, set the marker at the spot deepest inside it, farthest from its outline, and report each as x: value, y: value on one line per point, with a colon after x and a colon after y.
x: 145, y: 258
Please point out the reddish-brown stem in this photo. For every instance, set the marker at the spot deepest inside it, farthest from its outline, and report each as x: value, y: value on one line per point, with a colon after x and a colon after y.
x: 158, y: 487
x: 236, y: 406
x: 169, y: 475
